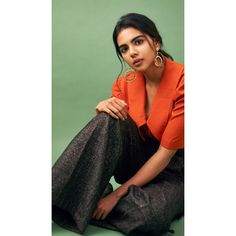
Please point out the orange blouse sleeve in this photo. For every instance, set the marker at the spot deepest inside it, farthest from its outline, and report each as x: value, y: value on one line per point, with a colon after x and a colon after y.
x: 118, y: 89
x: 173, y: 135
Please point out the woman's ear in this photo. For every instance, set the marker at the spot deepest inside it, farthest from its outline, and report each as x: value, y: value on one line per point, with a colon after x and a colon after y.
x: 156, y: 44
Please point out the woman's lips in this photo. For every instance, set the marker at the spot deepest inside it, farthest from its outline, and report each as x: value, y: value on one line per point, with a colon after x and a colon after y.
x: 138, y: 62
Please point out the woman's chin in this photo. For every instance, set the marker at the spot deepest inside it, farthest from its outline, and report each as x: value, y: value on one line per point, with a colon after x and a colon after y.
x: 140, y: 69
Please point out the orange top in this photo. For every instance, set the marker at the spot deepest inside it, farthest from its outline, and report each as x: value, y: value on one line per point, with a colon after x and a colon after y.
x: 166, y: 116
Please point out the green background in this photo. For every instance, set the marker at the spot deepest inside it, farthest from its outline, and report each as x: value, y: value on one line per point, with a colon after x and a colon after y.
x: 84, y: 62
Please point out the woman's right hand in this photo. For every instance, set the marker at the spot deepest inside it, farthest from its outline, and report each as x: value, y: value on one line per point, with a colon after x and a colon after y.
x: 115, y: 107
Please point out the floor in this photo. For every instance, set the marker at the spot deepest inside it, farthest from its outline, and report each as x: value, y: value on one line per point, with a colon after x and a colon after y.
x: 177, y: 226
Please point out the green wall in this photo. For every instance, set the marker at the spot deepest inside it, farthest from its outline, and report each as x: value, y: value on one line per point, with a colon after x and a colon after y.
x: 84, y: 62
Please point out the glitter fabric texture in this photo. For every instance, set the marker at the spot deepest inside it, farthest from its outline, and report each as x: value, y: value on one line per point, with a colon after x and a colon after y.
x: 106, y: 147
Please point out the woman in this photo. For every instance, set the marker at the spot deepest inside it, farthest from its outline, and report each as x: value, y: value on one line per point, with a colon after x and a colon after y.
x: 137, y: 136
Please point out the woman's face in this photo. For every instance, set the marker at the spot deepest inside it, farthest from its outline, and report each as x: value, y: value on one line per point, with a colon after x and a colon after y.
x: 137, y: 49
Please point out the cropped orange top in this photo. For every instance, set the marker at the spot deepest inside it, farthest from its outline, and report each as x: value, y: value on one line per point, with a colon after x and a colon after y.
x: 166, y: 116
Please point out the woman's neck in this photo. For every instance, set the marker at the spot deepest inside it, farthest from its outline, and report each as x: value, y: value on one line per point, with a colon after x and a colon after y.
x: 153, y: 75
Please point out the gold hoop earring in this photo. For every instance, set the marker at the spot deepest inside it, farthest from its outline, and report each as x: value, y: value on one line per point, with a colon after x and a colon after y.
x: 129, y: 74
x: 158, y: 59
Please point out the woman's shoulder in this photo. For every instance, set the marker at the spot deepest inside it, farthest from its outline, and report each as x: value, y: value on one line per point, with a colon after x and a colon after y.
x: 174, y: 72
x: 173, y: 75
x: 128, y: 76
x: 173, y: 65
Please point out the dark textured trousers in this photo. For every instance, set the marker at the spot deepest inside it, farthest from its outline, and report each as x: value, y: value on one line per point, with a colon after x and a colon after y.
x: 104, y: 148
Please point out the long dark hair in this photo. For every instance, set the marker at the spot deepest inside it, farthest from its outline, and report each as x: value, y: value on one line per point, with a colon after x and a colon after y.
x: 141, y: 23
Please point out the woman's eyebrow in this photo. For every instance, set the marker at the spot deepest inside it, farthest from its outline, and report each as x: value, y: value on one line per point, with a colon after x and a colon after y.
x: 141, y: 35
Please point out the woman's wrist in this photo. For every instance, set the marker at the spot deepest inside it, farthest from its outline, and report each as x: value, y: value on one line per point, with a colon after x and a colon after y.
x: 121, y: 191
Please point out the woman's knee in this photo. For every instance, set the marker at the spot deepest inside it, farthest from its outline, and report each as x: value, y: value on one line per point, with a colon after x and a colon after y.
x: 104, y: 118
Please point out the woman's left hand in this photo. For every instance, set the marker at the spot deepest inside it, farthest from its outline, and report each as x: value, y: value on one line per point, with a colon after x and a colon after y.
x: 105, y: 205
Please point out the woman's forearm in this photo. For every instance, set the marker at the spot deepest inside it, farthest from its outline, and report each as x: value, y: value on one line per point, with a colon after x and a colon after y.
x: 148, y: 171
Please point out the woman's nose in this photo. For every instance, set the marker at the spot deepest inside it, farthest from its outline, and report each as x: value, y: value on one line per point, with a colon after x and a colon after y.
x: 133, y: 52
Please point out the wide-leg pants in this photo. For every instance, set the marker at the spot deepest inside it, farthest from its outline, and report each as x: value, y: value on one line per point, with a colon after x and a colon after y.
x: 108, y: 147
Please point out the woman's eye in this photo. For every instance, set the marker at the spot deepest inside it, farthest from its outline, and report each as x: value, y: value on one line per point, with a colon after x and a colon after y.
x: 123, y: 50
x: 138, y: 41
